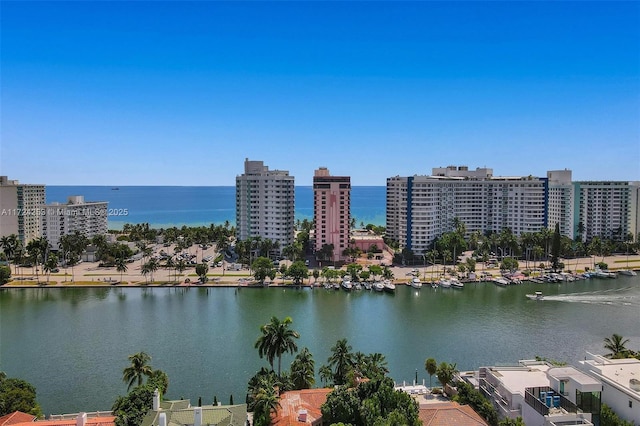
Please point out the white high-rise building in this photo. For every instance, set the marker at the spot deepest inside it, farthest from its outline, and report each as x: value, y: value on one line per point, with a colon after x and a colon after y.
x: 331, y: 211
x: 20, y: 209
x: 561, y: 200
x: 604, y: 208
x: 265, y: 204
x: 421, y: 208
x: 87, y: 217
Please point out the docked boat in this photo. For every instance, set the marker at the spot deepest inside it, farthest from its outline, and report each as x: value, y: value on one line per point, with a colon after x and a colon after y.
x: 389, y: 287
x: 629, y: 272
x: 444, y: 283
x: 378, y: 286
x: 456, y: 284
x: 501, y: 282
x: 602, y: 273
x: 346, y: 285
x: 536, y: 296
x: 416, y: 283
x: 434, y: 284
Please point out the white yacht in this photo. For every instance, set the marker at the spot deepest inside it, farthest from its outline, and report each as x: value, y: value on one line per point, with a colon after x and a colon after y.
x: 416, y: 283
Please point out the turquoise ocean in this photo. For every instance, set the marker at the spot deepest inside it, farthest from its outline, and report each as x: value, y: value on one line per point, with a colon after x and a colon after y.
x: 166, y: 206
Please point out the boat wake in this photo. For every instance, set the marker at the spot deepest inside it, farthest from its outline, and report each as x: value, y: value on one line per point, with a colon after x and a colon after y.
x: 615, y: 297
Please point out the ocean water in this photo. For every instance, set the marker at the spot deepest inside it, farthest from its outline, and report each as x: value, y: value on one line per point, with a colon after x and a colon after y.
x: 166, y: 206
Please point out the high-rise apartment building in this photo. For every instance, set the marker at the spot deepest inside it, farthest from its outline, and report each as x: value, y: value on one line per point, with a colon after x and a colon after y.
x: 604, y: 209
x: 87, y: 217
x: 331, y: 211
x: 20, y: 209
x: 421, y: 208
x: 265, y: 203
x: 561, y: 201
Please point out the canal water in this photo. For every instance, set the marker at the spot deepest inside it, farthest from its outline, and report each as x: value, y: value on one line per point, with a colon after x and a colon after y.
x: 72, y: 344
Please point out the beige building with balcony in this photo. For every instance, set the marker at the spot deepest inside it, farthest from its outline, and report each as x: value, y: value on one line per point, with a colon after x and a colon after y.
x: 21, y: 209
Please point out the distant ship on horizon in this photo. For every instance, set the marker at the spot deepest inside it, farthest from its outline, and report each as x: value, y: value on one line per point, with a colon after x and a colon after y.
x: 115, y: 189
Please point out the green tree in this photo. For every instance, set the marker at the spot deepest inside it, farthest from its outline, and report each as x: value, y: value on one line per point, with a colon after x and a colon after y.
x: 512, y: 422
x: 50, y: 265
x: 341, y: 361
x: 277, y: 338
x: 342, y: 405
x: 609, y: 418
x: 298, y: 271
x: 303, y: 370
x: 131, y: 409
x: 431, y: 366
x: 121, y: 266
x: 17, y: 395
x: 201, y: 270
x: 262, y: 268
x: 555, y: 249
x: 445, y: 373
x: 137, y: 370
x: 616, y: 345
x: 5, y: 274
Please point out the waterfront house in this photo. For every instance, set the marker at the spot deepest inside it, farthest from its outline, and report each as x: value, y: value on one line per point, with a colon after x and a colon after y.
x: 99, y: 418
x: 301, y: 407
x: 449, y: 413
x: 541, y: 394
x: 620, y: 380
x: 181, y: 413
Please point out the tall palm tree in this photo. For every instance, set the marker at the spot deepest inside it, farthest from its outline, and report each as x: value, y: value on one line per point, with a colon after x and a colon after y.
x: 326, y: 375
x: 121, y: 266
x: 50, y: 265
x: 445, y: 374
x: 303, y: 370
x: 431, y: 366
x: 277, y: 338
x: 615, y: 344
x: 137, y: 370
x: 341, y: 360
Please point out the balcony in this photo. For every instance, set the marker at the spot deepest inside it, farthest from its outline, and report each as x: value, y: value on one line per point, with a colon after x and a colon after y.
x: 547, y: 402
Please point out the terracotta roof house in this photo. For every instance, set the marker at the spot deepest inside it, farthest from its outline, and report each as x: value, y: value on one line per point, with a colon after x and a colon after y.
x: 16, y: 417
x: 301, y: 407
x: 80, y: 419
x: 450, y: 414
x: 181, y: 413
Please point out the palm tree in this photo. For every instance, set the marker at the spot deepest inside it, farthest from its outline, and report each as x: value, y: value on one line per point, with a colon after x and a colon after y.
x: 50, y: 265
x: 121, y: 266
x: 303, y: 370
x: 10, y: 246
x: 326, y: 375
x: 615, y: 344
x: 341, y: 360
x: 277, y: 338
x: 266, y: 402
x: 432, y: 367
x: 445, y: 374
x: 137, y: 370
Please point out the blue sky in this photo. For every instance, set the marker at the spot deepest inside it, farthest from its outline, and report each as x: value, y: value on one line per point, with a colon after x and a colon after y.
x: 164, y: 93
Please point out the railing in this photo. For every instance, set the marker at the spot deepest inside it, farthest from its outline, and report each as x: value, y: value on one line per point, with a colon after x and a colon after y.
x: 532, y: 397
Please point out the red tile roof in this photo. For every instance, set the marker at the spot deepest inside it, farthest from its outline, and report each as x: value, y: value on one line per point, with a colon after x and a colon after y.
x: 92, y: 421
x: 16, y: 417
x: 450, y: 414
x: 293, y: 401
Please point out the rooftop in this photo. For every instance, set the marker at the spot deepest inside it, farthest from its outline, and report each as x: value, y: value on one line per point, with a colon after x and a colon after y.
x: 450, y: 414
x: 306, y: 402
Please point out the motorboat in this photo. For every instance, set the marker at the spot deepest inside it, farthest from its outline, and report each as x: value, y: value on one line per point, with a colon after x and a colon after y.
x: 536, y: 296
x: 501, y: 282
x: 346, y: 285
x: 456, y: 284
x: 444, y: 283
x: 416, y: 283
x: 629, y: 272
x: 389, y: 287
x: 378, y: 286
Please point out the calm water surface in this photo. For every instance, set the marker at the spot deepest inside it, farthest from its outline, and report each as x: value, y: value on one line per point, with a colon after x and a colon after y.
x: 72, y: 344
